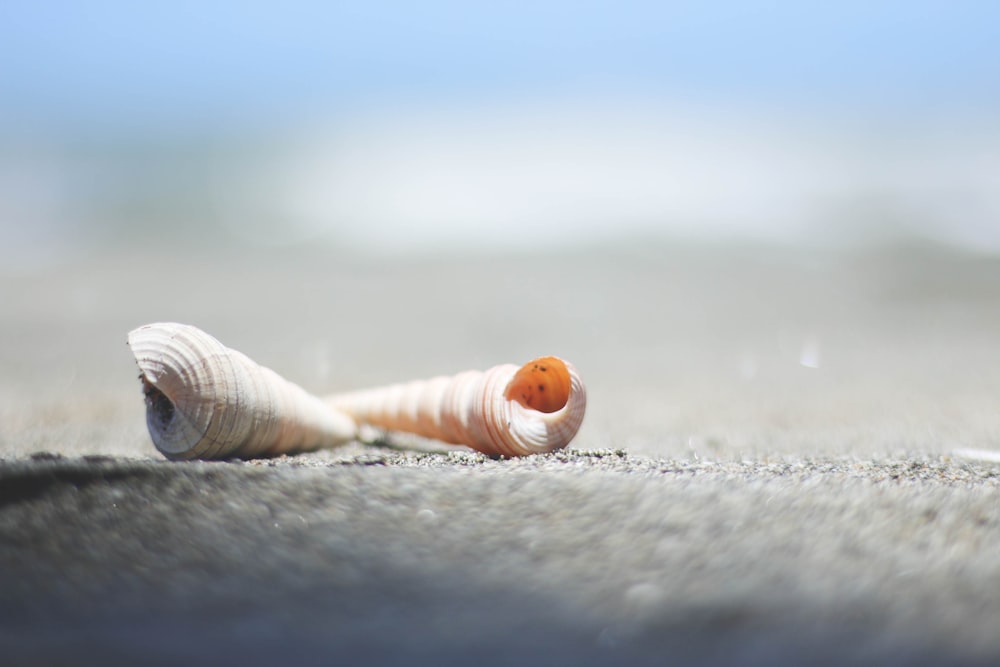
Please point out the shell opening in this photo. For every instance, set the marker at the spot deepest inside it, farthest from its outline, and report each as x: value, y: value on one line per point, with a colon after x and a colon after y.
x: 542, y: 384
x: 159, y: 408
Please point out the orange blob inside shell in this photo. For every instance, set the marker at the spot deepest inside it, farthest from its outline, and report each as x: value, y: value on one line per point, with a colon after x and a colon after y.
x: 542, y: 384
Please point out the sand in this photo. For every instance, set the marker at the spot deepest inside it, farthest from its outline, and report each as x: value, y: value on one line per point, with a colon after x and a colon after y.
x: 767, y: 473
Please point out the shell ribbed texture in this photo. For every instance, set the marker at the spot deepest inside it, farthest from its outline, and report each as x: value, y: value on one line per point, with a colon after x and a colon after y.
x: 206, y: 401
x: 470, y: 409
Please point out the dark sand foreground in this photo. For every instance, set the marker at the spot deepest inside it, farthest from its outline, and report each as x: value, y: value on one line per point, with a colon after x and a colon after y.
x: 767, y: 473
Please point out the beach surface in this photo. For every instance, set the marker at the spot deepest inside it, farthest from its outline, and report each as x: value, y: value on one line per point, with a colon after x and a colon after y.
x: 784, y: 460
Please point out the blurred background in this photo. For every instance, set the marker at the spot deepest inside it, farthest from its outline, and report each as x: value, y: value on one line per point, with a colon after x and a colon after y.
x: 394, y: 127
x: 754, y: 226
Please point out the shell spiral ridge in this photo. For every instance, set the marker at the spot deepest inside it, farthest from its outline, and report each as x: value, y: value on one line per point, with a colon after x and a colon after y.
x: 473, y: 409
x: 206, y: 401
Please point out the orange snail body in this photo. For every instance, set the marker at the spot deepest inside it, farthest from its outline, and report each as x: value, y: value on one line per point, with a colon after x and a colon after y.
x: 543, y: 384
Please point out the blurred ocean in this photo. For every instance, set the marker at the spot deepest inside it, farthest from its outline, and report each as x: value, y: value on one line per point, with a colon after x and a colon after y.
x: 393, y: 130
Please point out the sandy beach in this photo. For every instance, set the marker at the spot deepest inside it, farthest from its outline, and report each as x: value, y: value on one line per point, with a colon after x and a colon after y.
x: 766, y: 474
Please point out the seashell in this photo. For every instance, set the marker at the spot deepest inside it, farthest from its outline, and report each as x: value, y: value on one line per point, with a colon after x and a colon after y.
x: 206, y: 401
x: 506, y: 410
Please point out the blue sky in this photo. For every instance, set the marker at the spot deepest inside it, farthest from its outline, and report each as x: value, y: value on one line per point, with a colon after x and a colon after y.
x: 183, y: 62
x: 424, y: 124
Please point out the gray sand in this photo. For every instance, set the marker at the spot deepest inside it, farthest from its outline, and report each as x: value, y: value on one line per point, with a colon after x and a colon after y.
x: 766, y: 473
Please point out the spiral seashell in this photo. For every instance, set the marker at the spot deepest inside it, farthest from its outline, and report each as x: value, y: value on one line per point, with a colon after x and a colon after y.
x: 506, y: 410
x: 206, y: 401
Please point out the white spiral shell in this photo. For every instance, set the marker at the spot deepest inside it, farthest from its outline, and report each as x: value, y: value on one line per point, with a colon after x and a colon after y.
x: 206, y: 401
x: 473, y: 409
